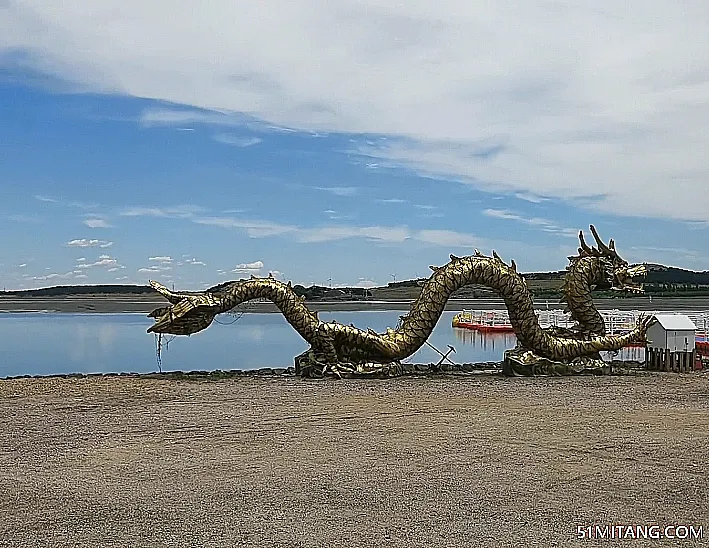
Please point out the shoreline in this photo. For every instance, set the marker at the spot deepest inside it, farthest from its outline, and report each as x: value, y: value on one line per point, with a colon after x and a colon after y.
x: 136, y: 304
x: 411, y: 370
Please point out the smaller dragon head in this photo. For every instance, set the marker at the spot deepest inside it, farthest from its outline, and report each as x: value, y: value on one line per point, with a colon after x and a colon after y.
x: 616, y: 274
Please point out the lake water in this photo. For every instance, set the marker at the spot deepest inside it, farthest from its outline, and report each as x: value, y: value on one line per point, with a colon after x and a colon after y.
x: 44, y: 344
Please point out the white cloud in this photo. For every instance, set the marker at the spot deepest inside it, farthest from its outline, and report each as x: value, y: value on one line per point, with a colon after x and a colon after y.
x: 391, y: 201
x: 195, y: 262
x: 103, y: 260
x: 161, y: 259
x: 365, y: 284
x: 161, y: 267
x: 529, y: 197
x: 249, y: 268
x: 167, y: 116
x: 544, y: 224
x: 449, y: 238
x: 253, y: 228
x: 598, y: 102
x: 241, y: 142
x: 53, y: 276
x: 339, y: 190
x: 23, y: 265
x: 84, y: 242
x: 58, y: 201
x: 44, y: 198
x: 96, y: 223
x: 332, y: 233
x: 389, y: 234
x: 181, y: 211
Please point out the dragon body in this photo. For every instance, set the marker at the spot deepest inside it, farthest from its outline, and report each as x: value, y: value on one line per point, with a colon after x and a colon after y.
x: 345, y: 349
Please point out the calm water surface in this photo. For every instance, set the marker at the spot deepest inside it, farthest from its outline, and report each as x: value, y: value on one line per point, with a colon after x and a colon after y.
x: 44, y: 344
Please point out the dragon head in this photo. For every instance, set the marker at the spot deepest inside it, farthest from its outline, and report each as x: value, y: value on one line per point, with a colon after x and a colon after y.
x: 188, y: 313
x: 617, y: 274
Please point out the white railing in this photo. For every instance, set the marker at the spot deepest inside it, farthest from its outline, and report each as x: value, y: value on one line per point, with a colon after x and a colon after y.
x: 615, y: 320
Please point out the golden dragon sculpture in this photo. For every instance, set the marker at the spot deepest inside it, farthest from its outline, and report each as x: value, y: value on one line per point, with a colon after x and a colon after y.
x: 345, y: 350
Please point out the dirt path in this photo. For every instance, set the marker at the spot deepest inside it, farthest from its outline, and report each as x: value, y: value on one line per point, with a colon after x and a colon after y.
x: 483, y: 461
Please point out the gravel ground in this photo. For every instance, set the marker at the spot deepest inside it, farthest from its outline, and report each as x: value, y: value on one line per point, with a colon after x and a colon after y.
x: 435, y: 462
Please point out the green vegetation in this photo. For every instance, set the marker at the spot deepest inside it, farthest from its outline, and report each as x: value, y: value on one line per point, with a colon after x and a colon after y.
x: 661, y: 281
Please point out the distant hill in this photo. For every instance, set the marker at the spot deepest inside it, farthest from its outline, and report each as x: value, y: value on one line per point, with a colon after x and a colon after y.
x: 66, y: 290
x: 661, y: 281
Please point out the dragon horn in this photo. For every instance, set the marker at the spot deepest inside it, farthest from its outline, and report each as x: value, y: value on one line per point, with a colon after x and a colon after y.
x: 603, y: 247
x: 584, y: 246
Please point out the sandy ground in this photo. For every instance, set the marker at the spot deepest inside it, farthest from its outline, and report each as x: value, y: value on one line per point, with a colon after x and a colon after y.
x: 436, y: 462
x: 144, y: 304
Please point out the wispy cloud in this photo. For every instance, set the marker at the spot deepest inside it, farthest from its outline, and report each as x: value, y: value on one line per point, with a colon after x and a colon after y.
x: 390, y: 234
x: 64, y: 203
x: 249, y: 268
x: 364, y: 283
x: 335, y: 216
x: 253, y: 228
x: 52, y: 276
x: 449, y: 238
x: 543, y: 224
x: 103, y: 261
x: 339, y: 190
x: 85, y: 242
x: 180, y: 211
x: 529, y: 197
x: 390, y: 200
x: 195, y: 262
x: 241, y: 142
x: 96, y: 223
x: 22, y: 218
x: 161, y: 259
x: 151, y: 117
x: 625, y: 130
x: 164, y: 116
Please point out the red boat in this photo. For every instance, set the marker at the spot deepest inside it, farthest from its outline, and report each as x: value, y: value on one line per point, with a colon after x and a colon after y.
x: 486, y: 322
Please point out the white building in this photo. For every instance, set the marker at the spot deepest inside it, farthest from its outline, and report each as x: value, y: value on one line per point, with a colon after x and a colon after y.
x: 673, y: 332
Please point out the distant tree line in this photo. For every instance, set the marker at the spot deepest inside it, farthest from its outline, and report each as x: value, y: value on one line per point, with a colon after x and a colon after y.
x: 660, y: 280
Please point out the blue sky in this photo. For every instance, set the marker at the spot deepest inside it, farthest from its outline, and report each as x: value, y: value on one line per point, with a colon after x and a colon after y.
x: 355, y: 145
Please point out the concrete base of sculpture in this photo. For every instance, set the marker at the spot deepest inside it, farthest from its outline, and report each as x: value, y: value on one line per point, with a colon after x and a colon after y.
x: 520, y: 362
